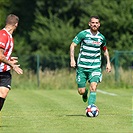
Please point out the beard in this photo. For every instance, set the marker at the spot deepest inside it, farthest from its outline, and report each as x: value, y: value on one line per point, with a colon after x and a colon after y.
x: 94, y: 28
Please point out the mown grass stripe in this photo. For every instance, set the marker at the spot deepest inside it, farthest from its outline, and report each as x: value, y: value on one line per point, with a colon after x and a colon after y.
x: 62, y: 111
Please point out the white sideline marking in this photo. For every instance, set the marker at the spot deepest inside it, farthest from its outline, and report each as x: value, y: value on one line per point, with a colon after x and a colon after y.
x: 108, y: 93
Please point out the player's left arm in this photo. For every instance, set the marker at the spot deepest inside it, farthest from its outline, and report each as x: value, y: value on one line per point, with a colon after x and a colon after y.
x: 106, y: 54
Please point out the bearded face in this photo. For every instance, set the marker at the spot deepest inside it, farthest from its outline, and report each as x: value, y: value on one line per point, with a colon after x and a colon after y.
x: 94, y: 24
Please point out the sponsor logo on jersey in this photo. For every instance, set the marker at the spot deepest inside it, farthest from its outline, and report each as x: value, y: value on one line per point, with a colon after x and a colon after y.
x: 92, y: 42
x: 95, y: 42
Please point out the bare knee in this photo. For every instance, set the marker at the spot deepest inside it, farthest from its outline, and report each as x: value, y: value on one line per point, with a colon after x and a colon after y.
x: 93, y: 86
x: 81, y: 91
x: 3, y: 92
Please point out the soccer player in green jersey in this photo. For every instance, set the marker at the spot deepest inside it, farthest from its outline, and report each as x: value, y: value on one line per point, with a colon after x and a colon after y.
x: 92, y: 42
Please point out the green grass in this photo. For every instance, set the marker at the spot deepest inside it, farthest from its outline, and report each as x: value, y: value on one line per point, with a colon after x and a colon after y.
x: 62, y: 111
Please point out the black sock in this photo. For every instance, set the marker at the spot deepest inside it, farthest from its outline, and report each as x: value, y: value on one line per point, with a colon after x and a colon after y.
x: 1, y: 102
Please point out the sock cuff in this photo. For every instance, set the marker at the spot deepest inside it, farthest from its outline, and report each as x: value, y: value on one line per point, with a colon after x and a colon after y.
x: 1, y: 102
x: 93, y: 93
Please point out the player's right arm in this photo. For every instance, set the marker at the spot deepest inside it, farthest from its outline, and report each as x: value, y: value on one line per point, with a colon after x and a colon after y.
x: 72, y: 59
x: 77, y: 40
x: 11, y: 63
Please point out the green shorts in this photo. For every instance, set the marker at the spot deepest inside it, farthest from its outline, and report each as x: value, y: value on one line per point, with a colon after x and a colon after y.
x: 91, y: 75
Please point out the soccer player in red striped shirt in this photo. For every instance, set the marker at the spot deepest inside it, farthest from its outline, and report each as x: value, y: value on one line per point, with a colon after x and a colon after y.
x: 6, y: 61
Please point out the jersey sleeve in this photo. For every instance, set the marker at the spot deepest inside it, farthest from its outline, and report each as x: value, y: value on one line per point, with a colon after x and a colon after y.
x: 79, y: 37
x: 3, y: 39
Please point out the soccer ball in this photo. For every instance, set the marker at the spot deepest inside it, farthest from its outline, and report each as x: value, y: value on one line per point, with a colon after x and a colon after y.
x: 92, y: 111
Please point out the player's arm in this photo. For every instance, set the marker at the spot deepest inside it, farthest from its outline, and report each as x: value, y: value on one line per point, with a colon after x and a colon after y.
x: 3, y: 58
x: 72, y: 59
x: 77, y: 40
x: 106, y: 54
x: 11, y: 63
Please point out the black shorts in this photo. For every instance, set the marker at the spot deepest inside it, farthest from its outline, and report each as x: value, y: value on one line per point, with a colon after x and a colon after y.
x: 5, y: 79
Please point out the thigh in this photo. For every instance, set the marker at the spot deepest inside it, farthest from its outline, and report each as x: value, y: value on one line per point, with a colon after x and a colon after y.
x: 95, y: 76
x: 5, y: 83
x: 5, y: 79
x: 81, y: 78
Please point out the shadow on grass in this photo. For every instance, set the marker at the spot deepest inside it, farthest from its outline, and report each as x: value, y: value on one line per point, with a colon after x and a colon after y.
x: 2, y: 126
x: 77, y: 115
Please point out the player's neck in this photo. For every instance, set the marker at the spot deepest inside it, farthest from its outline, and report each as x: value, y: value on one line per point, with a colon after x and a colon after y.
x: 10, y: 29
x: 93, y: 32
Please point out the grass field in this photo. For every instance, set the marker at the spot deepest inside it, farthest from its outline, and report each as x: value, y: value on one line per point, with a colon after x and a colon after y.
x: 62, y: 111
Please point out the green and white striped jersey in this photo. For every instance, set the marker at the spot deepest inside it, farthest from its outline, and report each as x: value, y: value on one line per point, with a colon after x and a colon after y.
x: 90, y: 50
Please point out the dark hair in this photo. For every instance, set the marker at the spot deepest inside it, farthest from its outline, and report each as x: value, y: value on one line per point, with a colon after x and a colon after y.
x: 12, y: 19
x: 96, y: 17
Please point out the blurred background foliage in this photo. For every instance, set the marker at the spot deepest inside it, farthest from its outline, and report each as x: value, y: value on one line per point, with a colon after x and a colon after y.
x: 47, y: 27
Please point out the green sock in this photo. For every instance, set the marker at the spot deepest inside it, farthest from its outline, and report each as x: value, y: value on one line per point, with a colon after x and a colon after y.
x: 92, y: 98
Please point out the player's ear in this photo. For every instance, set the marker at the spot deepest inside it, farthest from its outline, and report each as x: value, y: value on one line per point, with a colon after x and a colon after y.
x: 99, y: 24
x: 16, y: 24
x: 89, y: 24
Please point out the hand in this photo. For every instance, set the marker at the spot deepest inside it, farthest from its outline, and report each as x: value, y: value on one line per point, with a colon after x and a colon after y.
x: 14, y: 60
x: 108, y: 68
x: 73, y: 63
x: 15, y: 66
x: 17, y: 69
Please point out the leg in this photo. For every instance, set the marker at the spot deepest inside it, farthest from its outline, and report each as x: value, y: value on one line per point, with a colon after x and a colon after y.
x: 95, y: 77
x: 92, y: 96
x: 5, y: 85
x: 81, y: 91
x: 3, y: 94
x: 84, y: 93
x: 81, y: 81
x: 93, y: 86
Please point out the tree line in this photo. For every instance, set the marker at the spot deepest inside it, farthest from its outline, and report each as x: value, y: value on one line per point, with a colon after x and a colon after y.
x: 47, y: 27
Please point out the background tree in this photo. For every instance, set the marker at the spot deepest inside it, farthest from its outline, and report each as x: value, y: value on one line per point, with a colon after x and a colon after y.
x: 4, y: 6
x: 69, y: 17
x: 47, y: 27
x: 25, y: 10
